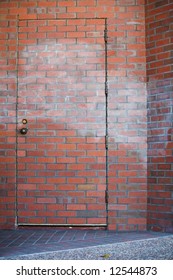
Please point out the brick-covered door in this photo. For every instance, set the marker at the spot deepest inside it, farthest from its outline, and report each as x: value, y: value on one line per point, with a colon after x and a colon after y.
x: 61, y: 160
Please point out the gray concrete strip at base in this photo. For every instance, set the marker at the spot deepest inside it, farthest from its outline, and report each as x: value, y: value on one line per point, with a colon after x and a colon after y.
x: 160, y: 248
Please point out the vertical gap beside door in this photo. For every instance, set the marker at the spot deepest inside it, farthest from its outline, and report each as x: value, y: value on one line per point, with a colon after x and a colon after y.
x: 67, y: 120
x: 106, y: 117
x: 16, y: 167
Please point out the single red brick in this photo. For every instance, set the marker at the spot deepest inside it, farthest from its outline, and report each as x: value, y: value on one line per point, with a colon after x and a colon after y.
x: 78, y: 221
x: 46, y: 200
x: 76, y: 207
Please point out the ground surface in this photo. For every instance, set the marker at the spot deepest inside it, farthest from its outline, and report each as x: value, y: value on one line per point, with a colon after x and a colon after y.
x: 84, y: 245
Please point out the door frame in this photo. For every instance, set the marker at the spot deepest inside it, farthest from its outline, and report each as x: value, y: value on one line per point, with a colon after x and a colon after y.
x: 106, y: 130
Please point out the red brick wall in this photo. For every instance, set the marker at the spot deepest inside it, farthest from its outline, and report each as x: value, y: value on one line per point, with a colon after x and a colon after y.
x: 8, y: 87
x: 127, y: 118
x: 159, y: 22
x: 61, y: 92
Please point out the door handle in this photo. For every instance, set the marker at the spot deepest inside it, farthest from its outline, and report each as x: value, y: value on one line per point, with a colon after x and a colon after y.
x: 23, y: 130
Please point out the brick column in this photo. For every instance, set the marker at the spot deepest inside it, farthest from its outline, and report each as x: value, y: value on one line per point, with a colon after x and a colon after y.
x: 160, y: 114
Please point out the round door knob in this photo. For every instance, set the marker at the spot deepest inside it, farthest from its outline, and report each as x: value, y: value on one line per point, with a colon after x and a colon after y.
x: 23, y: 130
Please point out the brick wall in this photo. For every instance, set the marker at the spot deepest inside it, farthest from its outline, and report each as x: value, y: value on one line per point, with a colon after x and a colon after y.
x: 159, y: 23
x: 8, y: 87
x: 82, y: 169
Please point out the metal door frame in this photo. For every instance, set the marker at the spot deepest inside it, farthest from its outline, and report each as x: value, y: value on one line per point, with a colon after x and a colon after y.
x: 106, y: 130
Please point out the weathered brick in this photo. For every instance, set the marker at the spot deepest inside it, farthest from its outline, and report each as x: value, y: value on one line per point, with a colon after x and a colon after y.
x: 61, y: 92
x: 159, y: 88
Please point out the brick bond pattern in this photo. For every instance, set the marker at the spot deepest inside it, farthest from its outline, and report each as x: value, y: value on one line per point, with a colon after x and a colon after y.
x: 160, y: 121
x: 61, y: 87
x: 127, y: 112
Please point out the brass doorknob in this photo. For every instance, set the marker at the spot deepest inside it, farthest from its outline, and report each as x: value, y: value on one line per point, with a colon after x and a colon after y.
x: 23, y: 130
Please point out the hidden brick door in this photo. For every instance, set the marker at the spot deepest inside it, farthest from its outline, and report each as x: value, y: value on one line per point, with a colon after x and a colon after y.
x: 61, y: 160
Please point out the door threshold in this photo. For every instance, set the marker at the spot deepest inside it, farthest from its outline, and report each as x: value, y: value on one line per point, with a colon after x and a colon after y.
x: 62, y: 226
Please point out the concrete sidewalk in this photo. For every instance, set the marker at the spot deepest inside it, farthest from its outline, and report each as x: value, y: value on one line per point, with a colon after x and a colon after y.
x: 84, y: 245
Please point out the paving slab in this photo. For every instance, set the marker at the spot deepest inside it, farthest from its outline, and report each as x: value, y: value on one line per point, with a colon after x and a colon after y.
x: 83, y: 244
